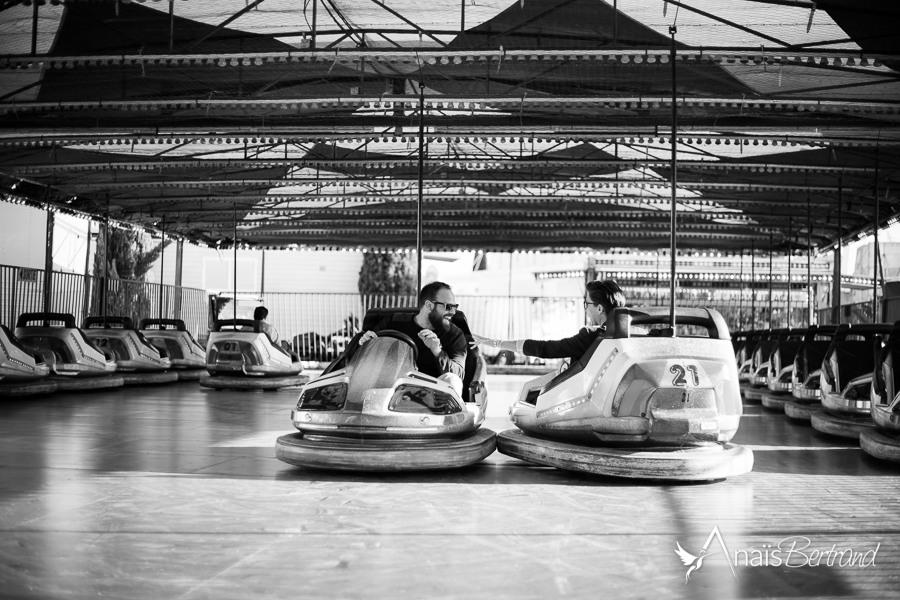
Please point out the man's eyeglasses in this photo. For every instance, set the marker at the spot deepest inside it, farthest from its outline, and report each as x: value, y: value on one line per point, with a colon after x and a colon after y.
x: 586, y: 304
x: 447, y: 305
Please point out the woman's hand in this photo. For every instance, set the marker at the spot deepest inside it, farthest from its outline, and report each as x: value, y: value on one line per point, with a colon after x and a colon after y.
x: 479, y: 340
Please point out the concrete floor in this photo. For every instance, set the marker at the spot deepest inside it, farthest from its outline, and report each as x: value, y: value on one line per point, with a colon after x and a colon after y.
x: 174, y: 492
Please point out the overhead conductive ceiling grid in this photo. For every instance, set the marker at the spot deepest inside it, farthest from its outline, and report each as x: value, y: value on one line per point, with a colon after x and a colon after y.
x: 544, y: 123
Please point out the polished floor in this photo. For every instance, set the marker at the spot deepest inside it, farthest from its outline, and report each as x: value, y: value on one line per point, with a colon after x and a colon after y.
x: 174, y: 492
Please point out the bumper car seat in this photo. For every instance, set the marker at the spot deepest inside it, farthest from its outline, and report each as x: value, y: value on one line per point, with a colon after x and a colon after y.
x: 22, y: 371
x: 240, y: 355
x: 71, y: 356
x: 137, y: 360
x: 846, y: 380
x: 371, y: 410
x: 807, y: 373
x: 884, y: 441
x: 645, y: 406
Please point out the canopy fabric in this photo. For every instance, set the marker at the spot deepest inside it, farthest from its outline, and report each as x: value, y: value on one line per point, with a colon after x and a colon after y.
x: 542, y: 124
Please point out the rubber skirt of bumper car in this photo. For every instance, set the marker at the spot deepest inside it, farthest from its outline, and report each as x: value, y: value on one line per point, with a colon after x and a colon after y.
x: 27, y: 388
x: 880, y: 444
x: 83, y: 384
x: 679, y: 464
x: 345, y: 454
x: 801, y: 411
x: 240, y: 382
x: 846, y: 426
x: 149, y: 378
x: 775, y: 401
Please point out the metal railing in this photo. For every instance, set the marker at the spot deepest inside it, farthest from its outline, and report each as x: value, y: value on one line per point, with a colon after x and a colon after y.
x: 22, y: 290
x: 317, y: 326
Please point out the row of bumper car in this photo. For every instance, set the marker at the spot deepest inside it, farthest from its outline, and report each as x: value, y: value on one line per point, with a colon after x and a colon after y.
x: 638, y: 404
x: 49, y: 352
x: 842, y: 381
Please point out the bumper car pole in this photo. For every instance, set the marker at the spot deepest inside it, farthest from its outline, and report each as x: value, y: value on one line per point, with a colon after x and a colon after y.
x: 673, y: 207
x: 421, y: 178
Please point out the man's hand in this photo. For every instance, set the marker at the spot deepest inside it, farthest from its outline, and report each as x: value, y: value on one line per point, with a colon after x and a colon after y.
x: 366, y: 336
x: 431, y: 341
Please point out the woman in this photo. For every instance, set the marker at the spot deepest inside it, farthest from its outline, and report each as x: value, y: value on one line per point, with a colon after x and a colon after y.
x: 600, y: 298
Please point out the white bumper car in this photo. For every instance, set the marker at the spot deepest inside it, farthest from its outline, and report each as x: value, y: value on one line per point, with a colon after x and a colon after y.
x: 137, y: 360
x: 846, y: 382
x: 806, y: 378
x: 645, y: 406
x: 371, y: 410
x: 23, y: 372
x: 75, y: 362
x: 781, y: 369
x: 884, y: 441
x: 188, y: 358
x: 240, y: 355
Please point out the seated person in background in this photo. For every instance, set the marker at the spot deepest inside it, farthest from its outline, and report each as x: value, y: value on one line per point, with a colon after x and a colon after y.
x: 259, y: 314
x: 600, y: 298
x: 441, y: 344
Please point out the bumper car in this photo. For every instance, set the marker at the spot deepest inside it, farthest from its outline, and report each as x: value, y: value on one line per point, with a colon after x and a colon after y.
x: 371, y: 410
x: 781, y: 370
x: 75, y: 362
x: 761, y: 364
x: 807, y: 374
x: 744, y: 357
x: 645, y: 406
x: 846, y: 382
x: 240, y: 355
x: 137, y: 360
x: 188, y: 358
x: 884, y: 441
x: 22, y: 372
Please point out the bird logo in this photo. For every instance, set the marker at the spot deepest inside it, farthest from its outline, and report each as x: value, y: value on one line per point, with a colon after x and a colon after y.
x: 695, y: 562
x: 689, y: 560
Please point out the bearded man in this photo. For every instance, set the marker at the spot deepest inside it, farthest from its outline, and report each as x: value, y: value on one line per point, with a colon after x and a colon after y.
x: 441, y: 344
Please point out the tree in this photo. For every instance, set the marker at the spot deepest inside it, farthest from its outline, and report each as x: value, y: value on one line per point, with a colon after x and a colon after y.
x: 128, y: 255
x: 386, y: 274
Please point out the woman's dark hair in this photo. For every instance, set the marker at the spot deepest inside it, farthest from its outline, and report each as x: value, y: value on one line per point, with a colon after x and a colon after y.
x: 260, y: 313
x: 606, y: 293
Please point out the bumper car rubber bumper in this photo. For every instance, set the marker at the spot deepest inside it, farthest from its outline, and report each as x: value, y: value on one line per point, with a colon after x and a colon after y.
x: 880, y: 444
x: 348, y: 454
x: 776, y: 401
x: 235, y: 382
x: 80, y: 384
x: 847, y: 426
x: 753, y: 393
x: 152, y: 378
x: 27, y: 388
x: 801, y: 411
x: 715, y: 461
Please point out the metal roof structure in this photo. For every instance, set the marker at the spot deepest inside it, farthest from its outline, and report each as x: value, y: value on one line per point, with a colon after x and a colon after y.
x: 519, y: 124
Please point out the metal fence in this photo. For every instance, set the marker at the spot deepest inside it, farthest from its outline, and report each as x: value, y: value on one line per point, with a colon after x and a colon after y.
x: 22, y: 291
x: 318, y: 325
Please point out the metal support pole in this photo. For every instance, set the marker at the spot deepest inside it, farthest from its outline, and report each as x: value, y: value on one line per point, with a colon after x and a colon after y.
x: 48, y: 262
x: 674, y: 206
x: 162, y: 266
x: 34, y: 27
x: 836, y: 284
x: 234, y: 229
x: 753, y: 283
x: 419, y: 230
x: 462, y: 17
x: 312, y: 41
x: 771, y: 254
x: 104, y: 289
x: 876, y: 317
x: 179, y: 262
x: 262, y: 279
x: 86, y: 296
x: 171, y: 27
x: 789, y: 256
x: 810, y: 315
x: 741, y: 288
